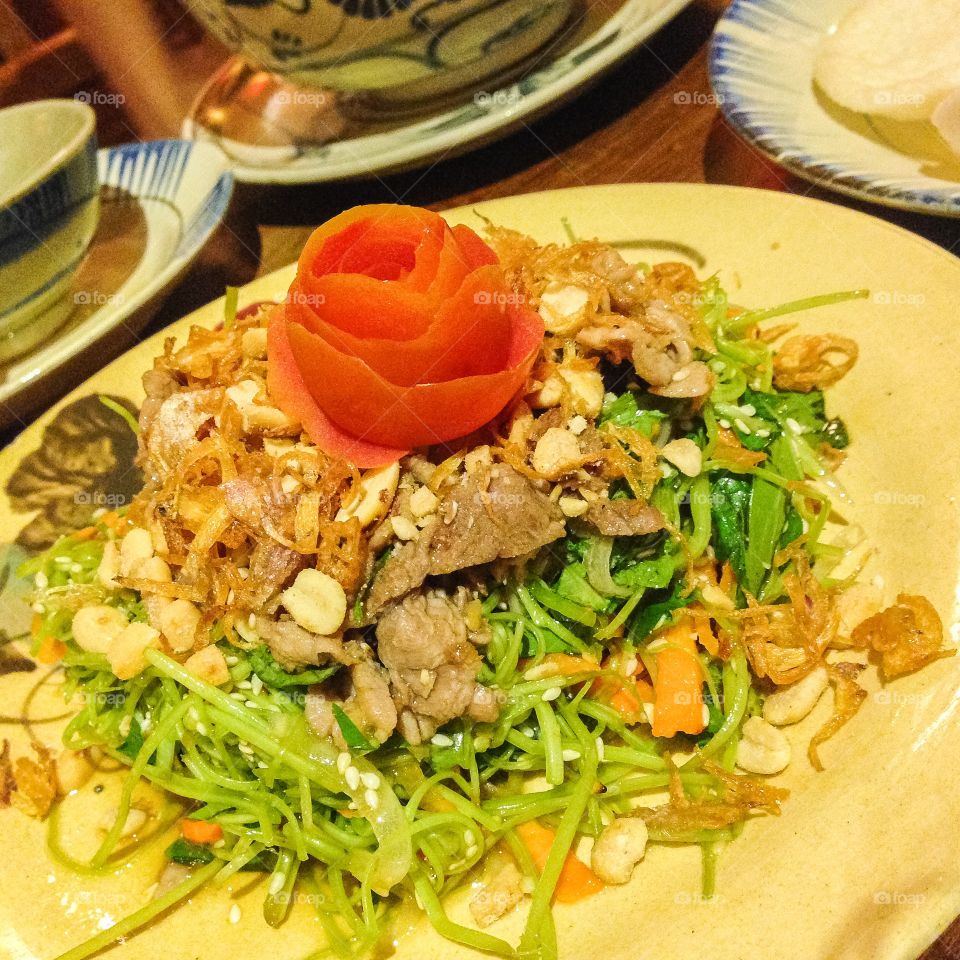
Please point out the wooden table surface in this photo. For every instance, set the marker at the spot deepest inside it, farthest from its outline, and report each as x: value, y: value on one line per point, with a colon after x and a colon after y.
x: 652, y: 118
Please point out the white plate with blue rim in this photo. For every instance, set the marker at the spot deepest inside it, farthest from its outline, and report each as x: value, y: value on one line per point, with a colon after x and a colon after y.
x: 159, y: 203
x: 487, y: 116
x: 761, y: 68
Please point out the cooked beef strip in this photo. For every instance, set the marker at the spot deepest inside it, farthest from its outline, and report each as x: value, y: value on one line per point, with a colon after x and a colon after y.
x: 367, y: 703
x: 423, y: 642
x: 623, y: 518
x: 475, y: 523
x: 292, y: 646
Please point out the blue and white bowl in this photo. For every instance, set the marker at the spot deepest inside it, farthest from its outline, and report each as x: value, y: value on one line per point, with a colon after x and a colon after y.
x: 48, y: 214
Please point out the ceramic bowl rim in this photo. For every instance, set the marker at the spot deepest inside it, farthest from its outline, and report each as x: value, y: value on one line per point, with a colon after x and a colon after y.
x: 62, y: 155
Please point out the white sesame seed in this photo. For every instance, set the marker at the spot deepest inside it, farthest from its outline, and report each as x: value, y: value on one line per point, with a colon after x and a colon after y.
x: 201, y: 729
x: 600, y: 749
x: 441, y: 740
x: 352, y: 776
x: 262, y: 765
x: 472, y: 851
x: 62, y: 560
x: 763, y: 432
x: 372, y: 799
x: 570, y: 755
x: 252, y: 620
x: 245, y: 748
x: 748, y: 410
x: 352, y: 805
x: 244, y: 685
x: 551, y: 694
x: 705, y: 714
x: 469, y: 837
x: 794, y: 427
x: 256, y: 685
x: 252, y: 704
x: 244, y: 572
x: 276, y: 884
x: 232, y: 661
x: 38, y: 608
x: 527, y: 884
x: 425, y: 676
x: 193, y: 716
x: 725, y: 423
x: 742, y: 426
x: 238, y: 696
x: 76, y: 568
x: 220, y: 844
x: 630, y: 666
x: 343, y: 762
x: 40, y: 581
x: 231, y: 596
x: 370, y: 780
x: 235, y: 913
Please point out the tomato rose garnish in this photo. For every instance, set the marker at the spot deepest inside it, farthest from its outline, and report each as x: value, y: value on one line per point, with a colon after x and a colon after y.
x: 398, y: 331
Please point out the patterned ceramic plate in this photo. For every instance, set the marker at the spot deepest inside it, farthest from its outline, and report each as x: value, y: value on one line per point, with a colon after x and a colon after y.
x: 863, y: 861
x: 488, y: 116
x: 159, y: 202
x: 761, y: 68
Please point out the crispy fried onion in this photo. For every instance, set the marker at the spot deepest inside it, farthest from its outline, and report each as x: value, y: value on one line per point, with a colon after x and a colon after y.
x: 848, y: 695
x: 785, y: 641
x: 631, y: 455
x: 235, y: 505
x: 736, y: 797
x: 28, y: 784
x: 813, y: 362
x: 908, y: 636
x: 731, y: 453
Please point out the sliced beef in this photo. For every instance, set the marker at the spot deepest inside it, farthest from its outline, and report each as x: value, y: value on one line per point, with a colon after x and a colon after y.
x: 272, y: 567
x: 423, y: 642
x: 479, y: 521
x: 292, y: 646
x: 623, y: 518
x: 366, y: 701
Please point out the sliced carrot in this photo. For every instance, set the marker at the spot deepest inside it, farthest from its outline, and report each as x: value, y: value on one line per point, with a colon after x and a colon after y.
x: 51, y: 650
x: 678, y: 685
x: 35, y: 624
x: 201, y: 831
x: 576, y: 881
x: 87, y: 533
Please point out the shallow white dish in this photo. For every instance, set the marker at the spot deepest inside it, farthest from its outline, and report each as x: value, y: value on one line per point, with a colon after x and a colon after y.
x: 159, y: 203
x: 761, y: 68
x: 487, y: 117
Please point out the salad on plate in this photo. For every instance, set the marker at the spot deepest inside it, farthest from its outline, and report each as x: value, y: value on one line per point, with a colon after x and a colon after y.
x: 464, y: 574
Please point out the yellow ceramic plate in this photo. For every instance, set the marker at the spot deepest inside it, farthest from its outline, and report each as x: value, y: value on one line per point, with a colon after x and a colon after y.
x: 865, y: 860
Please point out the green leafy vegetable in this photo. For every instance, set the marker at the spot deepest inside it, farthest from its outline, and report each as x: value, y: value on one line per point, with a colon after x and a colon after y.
x: 273, y: 675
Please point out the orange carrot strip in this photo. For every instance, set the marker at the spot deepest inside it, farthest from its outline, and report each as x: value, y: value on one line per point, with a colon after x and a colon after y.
x: 576, y: 881
x: 678, y: 693
x: 201, y: 831
x: 51, y: 650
